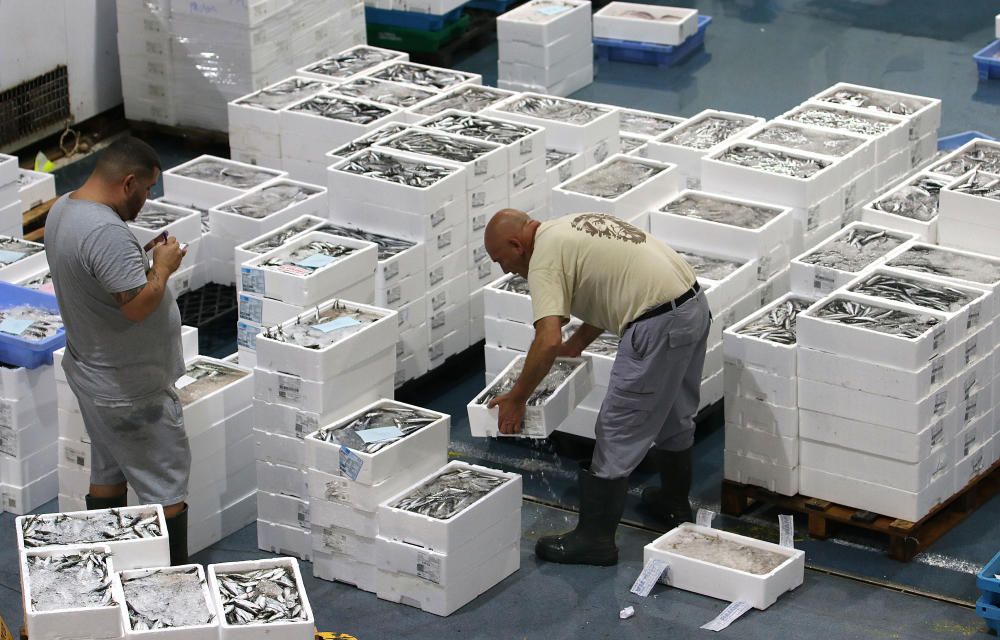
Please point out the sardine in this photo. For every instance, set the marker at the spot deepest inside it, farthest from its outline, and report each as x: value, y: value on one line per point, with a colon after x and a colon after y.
x: 613, y: 179
x: 71, y: 580
x: 166, y: 599
x: 778, y: 324
x: 561, y: 369
x: 449, y: 494
x: 828, y: 144
x: 341, y: 108
x: 262, y: 596
x: 773, y: 161
x: 351, y: 62
x: 722, y: 211
x: 269, y: 200
x: 706, y: 132
x: 551, y: 108
x: 855, y: 250
x: 877, y: 318
x: 393, y: 169
x: 406, y: 419
x: 842, y: 120
x: 421, y: 76
x: 875, y: 101
x: 470, y: 99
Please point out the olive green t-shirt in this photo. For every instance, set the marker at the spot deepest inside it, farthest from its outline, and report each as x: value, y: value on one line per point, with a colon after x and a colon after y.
x: 602, y: 270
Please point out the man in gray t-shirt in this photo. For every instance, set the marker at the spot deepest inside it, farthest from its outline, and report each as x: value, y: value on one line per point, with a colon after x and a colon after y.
x: 123, y: 345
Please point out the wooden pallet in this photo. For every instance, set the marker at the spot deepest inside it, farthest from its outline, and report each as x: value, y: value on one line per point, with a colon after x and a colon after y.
x: 906, y: 539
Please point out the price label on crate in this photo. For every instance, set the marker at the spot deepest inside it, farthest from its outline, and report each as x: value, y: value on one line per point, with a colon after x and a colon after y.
x: 289, y: 387
x: 601, y: 151
x: 444, y: 240
x: 246, y: 335
x: 478, y: 199
x: 334, y: 539
x: 428, y: 567
x: 824, y: 280
x: 439, y: 300
x: 337, y: 491
x: 728, y: 616
x: 940, y: 402
x: 251, y: 309
x: 655, y: 570
x: 394, y: 294
x: 390, y: 271
x: 484, y: 270
x: 812, y: 218
x: 350, y: 463
x: 437, y: 217
x: 479, y: 222
x: 704, y: 518
x: 435, y: 276
x: 937, y: 369
x: 480, y: 167
x: 252, y: 279
x: 438, y: 320
x: 305, y: 423
x: 525, y: 146
x: 786, y: 527
x: 937, y: 435
x: 520, y: 176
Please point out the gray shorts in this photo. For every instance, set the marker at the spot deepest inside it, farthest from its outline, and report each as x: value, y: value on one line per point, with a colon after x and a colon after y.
x: 141, y: 442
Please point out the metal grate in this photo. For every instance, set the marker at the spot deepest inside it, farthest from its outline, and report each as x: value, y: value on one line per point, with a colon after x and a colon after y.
x: 34, y: 105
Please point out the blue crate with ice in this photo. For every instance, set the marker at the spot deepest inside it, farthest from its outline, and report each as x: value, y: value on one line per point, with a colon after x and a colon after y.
x: 31, y: 328
x: 660, y: 55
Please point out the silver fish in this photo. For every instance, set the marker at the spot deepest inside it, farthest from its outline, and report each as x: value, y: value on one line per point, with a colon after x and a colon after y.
x: 449, y: 494
x: 471, y: 99
x: 645, y: 124
x: 271, y: 199
x: 842, y: 120
x: 393, y: 169
x: 166, y: 599
x: 773, y: 161
x: 431, y: 144
x: 554, y: 157
x: 918, y: 200
x: 340, y: 108
x: 778, y: 324
x: 877, y: 318
x: 388, y: 246
x: 398, y: 95
x: 706, y: 132
x: 708, y: 267
x: 854, y: 251
x: 613, y: 179
x: 289, y: 262
x: 875, y: 101
x: 281, y: 236
x: 920, y: 293
x: 979, y: 156
x: 72, y: 580
x: 944, y: 262
x: 263, y: 596
x: 224, y: 172
x: 304, y: 331
x: 155, y: 216
x: 714, y: 209
x: 284, y: 93
x: 208, y: 377
x: 515, y: 284
x: 91, y: 527
x: 406, y: 419
x: 421, y: 76
x: 480, y: 127
x: 550, y: 108
x: 351, y: 62
x: 561, y: 369
x: 828, y: 144
x: 980, y: 184
x: 43, y: 323
x: 366, y: 141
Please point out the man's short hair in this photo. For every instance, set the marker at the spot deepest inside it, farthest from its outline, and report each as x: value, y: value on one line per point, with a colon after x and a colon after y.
x: 127, y: 156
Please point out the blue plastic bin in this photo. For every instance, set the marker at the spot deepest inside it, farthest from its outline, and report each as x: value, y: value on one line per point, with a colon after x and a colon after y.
x: 661, y: 55
x: 493, y: 6
x: 987, y: 62
x: 411, y: 19
x: 989, y: 613
x: 22, y: 353
x: 950, y: 143
x: 988, y: 583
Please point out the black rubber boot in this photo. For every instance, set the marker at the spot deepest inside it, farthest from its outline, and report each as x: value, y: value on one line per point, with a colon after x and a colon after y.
x: 669, y: 502
x: 177, y: 529
x: 105, y: 503
x: 593, y: 541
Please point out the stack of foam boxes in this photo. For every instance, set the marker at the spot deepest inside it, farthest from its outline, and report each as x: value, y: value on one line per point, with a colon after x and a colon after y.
x: 147, y: 66
x: 525, y: 150
x: 710, y: 227
x: 183, y: 186
x: 699, y: 136
x: 592, y: 135
x: 10, y: 199
x: 761, y: 399
x: 434, y: 214
x: 184, y: 224
x: 637, y: 128
x: 273, y: 289
x: 351, y: 63
x: 439, y: 565
x: 546, y: 47
x: 21, y: 259
x: 297, y: 390
x: 560, y: 166
x: 911, y: 206
x: 28, y: 433
x: 33, y: 188
x: 346, y: 487
x: 405, y: 95
x: 880, y: 412
x: 969, y: 213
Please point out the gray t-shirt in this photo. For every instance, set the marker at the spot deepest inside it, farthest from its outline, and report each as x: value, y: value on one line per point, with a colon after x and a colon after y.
x: 93, y: 255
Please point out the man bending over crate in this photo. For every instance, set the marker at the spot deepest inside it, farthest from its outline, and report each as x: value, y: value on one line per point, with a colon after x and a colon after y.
x: 614, y: 277
x: 123, y: 336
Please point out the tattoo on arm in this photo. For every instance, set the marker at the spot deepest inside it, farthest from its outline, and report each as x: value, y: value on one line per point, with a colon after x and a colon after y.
x: 124, y: 297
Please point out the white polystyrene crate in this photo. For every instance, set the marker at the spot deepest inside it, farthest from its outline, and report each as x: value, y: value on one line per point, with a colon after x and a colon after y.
x: 14, y: 267
x: 639, y: 198
x: 186, y: 227
x: 532, y: 73
x: 699, y: 233
x: 562, y: 135
x: 968, y: 236
x: 857, y: 161
x: 344, y: 516
x: 441, y: 79
x: 724, y: 294
x: 447, y: 320
x: 255, y: 127
x: 721, y: 582
x: 507, y: 305
x: 216, y: 406
x: 509, y: 334
x: 746, y: 440
x: 282, y: 479
x: 729, y: 178
x: 308, y: 136
x: 98, y: 623
x: 303, y: 629
x: 391, y: 268
x: 760, y: 472
x: 206, y: 631
x: 957, y: 205
x: 23, y: 471
x: 875, y: 439
x: 308, y: 287
x: 563, y: 170
x: 851, y: 373
x: 889, y: 133
x: 926, y: 231
x: 759, y: 384
x: 377, y: 57
x: 668, y: 26
x: 539, y: 420
x: 867, y: 344
x: 854, y: 404
x: 259, y: 311
x: 430, y: 441
x: 877, y: 498
x: 470, y: 523
x: 35, y: 188
x: 189, y: 191
x: 712, y: 390
x: 688, y: 159
x: 925, y: 112
x: 139, y: 553
x: 302, y: 224
x: 320, y: 364
x: 448, y: 346
x: 8, y: 169
x: 867, y: 467
x: 813, y: 280
x: 327, y: 395
x: 282, y: 509
x: 776, y: 358
x: 492, y: 159
x: 987, y: 266
x: 543, y: 22
x: 530, y: 139
x: 225, y: 222
x: 997, y: 33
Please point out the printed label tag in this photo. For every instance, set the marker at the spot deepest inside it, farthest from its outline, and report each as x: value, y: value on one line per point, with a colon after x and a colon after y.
x: 478, y: 199
x: 390, y: 271
x: 399, y: 350
x: 289, y: 387
x: 693, y: 183
x: 402, y: 316
x: 15, y: 326
x: 444, y: 240
x: 439, y: 300
x: 184, y: 381
x: 728, y: 616
x: 336, y: 491
x: 436, y: 351
x: 480, y: 167
x: 763, y: 268
x: 479, y: 222
x: 484, y: 270
x: 812, y: 218
x: 8, y: 442
x: 251, y: 309
x: 786, y: 526
x: 305, y: 423
x: 704, y: 518
x: 850, y: 195
x: 252, y: 279
x: 246, y: 335
x: 393, y: 295
x: 937, y: 369
x: 940, y: 402
x: 316, y: 261
x: 970, y: 443
x: 303, y: 514
x: 938, y: 338
x: 824, y: 280
x: 435, y: 276
x: 519, y: 176
x: 652, y: 573
x: 428, y: 567
x: 971, y: 349
x: 973, y: 318
x: 970, y: 410
x: 293, y: 270
x: 479, y: 254
x: 525, y: 146
x: 334, y: 540
x: 937, y: 435
x: 601, y: 151
x: 6, y: 414
x: 437, y: 217
x: 75, y: 456
x: 437, y: 321
x: 350, y: 463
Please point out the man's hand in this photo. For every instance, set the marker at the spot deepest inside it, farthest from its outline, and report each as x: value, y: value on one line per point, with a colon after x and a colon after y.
x: 569, y: 349
x: 511, y: 412
x: 160, y: 239
x: 168, y: 255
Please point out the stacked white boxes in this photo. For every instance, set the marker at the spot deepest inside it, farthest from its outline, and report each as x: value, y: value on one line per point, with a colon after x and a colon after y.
x: 33, y: 188
x: 435, y: 213
x: 439, y: 565
x: 275, y: 287
x: 28, y: 433
x: 10, y: 197
x: 560, y: 166
x: 700, y: 136
x: 546, y: 47
x: 911, y: 206
x: 346, y: 485
x: 970, y: 206
x: 432, y: 7
x: 637, y: 128
x: 297, y: 390
x: 665, y: 25
x: 183, y: 61
x: 761, y: 392
x: 397, y: 94
x: 184, y: 224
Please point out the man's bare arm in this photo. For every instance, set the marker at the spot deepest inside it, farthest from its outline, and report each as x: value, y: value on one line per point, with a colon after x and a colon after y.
x: 137, y: 304
x: 580, y: 340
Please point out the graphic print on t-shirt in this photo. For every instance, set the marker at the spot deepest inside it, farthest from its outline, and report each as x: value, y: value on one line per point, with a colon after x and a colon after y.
x: 602, y: 225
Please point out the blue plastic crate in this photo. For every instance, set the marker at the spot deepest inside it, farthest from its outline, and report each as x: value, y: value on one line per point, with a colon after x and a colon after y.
x: 987, y: 62
x: 990, y: 613
x: 493, y: 6
x: 411, y: 19
x: 661, y: 55
x: 22, y: 353
x: 950, y: 143
x: 988, y: 583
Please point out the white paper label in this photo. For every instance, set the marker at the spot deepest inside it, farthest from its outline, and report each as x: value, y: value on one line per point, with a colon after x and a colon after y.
x: 850, y: 195
x: 305, y: 423
x: 480, y: 167
x: 75, y: 456
x: 728, y: 615
x: 444, y: 240
x: 938, y: 338
x: 252, y: 279
x: 393, y: 295
x: 693, y: 182
x: 519, y: 176
x: 937, y: 435
x: 334, y: 540
x: 940, y: 402
x: 437, y: 321
x: 937, y: 369
x: 437, y: 217
x: 786, y: 526
x: 246, y: 335
x: 435, y: 276
x: 525, y: 146
x: 479, y: 222
x: 436, y: 351
x: 428, y: 567
x: 289, y: 387
x: 824, y: 280
x: 812, y: 218
x: 439, y: 300
x: 651, y: 574
x: 251, y: 309
x: 350, y: 463
x: 390, y: 271
x: 336, y: 491
x: 184, y: 381
x: 704, y: 518
x: 478, y: 199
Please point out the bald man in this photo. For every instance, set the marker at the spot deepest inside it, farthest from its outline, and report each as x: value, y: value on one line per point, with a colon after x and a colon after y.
x: 614, y: 277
